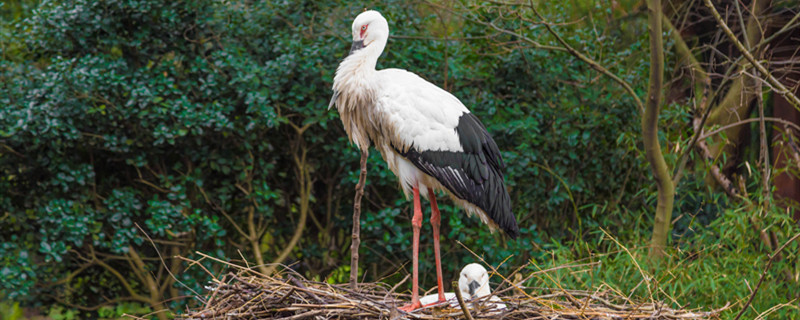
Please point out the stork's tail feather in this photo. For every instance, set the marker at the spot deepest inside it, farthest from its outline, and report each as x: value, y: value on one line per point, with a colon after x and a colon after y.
x: 496, y: 202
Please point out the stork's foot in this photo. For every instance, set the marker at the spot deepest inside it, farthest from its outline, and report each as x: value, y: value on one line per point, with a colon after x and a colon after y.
x: 414, y: 305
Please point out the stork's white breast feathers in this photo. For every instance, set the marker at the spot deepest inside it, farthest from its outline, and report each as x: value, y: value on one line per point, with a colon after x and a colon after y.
x: 420, y: 114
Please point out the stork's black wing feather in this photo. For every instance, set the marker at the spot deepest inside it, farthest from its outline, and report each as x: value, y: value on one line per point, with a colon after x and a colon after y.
x: 474, y: 174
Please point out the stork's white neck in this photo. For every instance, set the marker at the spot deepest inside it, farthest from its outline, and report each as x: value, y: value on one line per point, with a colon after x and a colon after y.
x: 362, y: 62
x: 354, y: 76
x: 355, y: 91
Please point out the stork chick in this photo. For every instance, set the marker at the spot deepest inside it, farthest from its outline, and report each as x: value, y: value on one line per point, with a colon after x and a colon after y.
x: 473, y: 282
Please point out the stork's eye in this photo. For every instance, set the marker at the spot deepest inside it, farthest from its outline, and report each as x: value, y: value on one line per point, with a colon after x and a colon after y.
x: 364, y: 28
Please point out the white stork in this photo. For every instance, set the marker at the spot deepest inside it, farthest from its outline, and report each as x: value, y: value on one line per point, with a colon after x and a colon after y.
x: 428, y: 138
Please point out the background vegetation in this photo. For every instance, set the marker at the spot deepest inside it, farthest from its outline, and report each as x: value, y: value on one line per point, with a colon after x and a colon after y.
x: 204, y: 125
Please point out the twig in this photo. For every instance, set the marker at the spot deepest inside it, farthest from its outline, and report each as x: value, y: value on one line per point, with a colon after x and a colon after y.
x: 230, y: 264
x: 590, y: 61
x: 645, y: 277
x: 7, y: 147
x: 164, y: 264
x: 763, y: 149
x: 411, y: 37
x: 301, y: 286
x: 356, y: 241
x: 716, y: 172
x: 395, y: 286
x: 745, y: 121
x: 309, y: 314
x: 461, y: 301
x: 764, y: 274
x: 777, y: 307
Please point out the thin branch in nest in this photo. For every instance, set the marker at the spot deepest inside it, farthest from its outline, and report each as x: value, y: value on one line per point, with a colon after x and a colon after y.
x: 461, y: 303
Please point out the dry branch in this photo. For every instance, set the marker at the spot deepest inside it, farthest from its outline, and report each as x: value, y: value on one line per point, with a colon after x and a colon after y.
x: 356, y: 241
x: 461, y: 302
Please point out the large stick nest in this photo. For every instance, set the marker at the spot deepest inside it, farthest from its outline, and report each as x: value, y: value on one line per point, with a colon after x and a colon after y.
x: 287, y: 295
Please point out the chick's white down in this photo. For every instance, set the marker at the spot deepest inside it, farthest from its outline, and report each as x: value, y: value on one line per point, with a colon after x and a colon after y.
x: 476, y: 276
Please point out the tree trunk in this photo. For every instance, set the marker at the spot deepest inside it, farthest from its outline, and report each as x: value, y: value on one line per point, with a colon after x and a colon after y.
x: 661, y: 173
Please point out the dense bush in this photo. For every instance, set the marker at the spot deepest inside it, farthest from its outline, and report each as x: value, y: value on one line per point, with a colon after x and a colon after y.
x: 204, y: 125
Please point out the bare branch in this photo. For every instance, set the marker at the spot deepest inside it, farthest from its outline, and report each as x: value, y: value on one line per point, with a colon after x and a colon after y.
x: 764, y: 274
x: 716, y: 172
x: 780, y: 88
x: 565, y: 47
x: 746, y: 121
x: 590, y: 61
x: 356, y: 237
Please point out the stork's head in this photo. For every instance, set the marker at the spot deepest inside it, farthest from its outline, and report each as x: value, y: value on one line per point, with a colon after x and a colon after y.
x: 369, y: 29
x: 474, y: 281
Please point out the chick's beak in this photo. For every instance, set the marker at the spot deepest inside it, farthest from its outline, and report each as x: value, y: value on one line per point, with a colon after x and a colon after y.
x: 473, y: 285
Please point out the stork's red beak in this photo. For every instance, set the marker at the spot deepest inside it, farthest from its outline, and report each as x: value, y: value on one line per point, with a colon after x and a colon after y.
x: 357, y: 45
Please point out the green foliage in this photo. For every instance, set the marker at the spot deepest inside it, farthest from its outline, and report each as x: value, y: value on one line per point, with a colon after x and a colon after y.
x: 717, y: 263
x: 121, y: 309
x: 183, y: 119
x: 10, y: 310
x: 59, y: 313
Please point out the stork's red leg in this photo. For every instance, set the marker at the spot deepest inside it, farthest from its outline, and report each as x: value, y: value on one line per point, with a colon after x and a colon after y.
x: 435, y: 223
x: 416, y: 223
